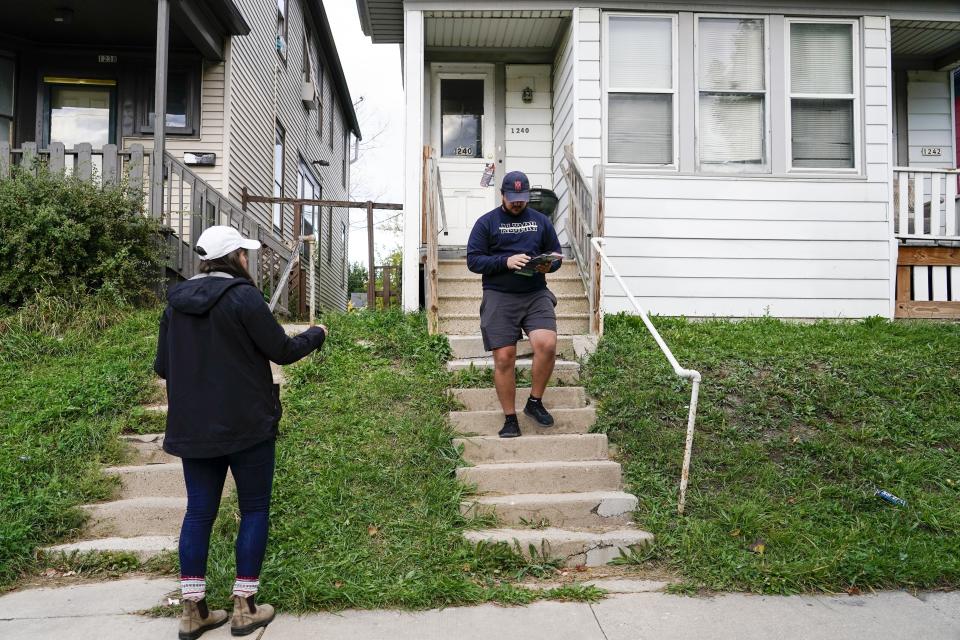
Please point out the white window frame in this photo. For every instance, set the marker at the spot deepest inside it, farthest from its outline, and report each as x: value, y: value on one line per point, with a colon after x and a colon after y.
x: 673, y: 92
x: 856, y: 96
x: 767, y: 106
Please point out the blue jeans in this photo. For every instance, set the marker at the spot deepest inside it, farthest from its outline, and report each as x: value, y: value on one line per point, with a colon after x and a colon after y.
x: 253, y: 473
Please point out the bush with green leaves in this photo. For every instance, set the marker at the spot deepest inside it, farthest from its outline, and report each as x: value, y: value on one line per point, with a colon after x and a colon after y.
x: 60, y: 234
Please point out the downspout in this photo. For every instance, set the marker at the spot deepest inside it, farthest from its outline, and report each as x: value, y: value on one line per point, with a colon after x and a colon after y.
x: 159, y: 110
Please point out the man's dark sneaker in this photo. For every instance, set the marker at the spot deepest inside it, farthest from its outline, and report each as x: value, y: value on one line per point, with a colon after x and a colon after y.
x: 535, y: 410
x: 511, y: 428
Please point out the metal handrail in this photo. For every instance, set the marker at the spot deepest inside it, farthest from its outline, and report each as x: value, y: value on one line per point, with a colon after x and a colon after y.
x: 689, y: 374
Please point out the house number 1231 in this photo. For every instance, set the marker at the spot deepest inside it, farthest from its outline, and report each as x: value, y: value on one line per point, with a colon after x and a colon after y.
x: 519, y: 129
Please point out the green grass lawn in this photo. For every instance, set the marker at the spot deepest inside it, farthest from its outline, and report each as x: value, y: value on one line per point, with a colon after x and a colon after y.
x: 68, y: 380
x: 798, y: 426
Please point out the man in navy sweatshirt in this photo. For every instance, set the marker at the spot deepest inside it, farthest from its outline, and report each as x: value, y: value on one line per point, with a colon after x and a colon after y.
x: 501, y: 244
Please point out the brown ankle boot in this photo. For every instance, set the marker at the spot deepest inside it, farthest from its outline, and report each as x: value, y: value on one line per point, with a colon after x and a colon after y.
x: 248, y: 616
x: 197, y: 619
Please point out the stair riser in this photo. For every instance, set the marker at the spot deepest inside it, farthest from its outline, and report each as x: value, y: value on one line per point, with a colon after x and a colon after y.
x: 150, y: 453
x: 143, y: 549
x: 157, y: 481
x: 472, y: 347
x: 488, y: 423
x: 471, y: 304
x: 572, y: 553
x: 459, y: 269
x: 486, y: 451
x: 553, y: 398
x: 135, y: 521
x: 542, y: 479
x: 474, y: 287
x: 573, y: 514
x: 463, y: 326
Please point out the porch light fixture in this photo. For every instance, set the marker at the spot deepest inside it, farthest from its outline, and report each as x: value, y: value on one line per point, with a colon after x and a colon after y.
x: 527, y: 95
x: 63, y: 15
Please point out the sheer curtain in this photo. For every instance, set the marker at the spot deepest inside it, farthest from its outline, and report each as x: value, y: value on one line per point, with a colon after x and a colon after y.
x: 640, y: 98
x: 732, y: 94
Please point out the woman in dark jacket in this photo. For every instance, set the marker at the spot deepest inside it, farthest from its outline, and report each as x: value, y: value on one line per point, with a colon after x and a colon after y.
x: 217, y: 339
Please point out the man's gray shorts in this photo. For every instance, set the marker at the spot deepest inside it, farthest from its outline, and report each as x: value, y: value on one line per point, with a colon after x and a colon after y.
x: 504, y: 315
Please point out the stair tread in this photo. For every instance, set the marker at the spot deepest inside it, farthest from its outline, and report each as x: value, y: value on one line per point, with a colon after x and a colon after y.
x: 558, y: 535
x: 160, y: 501
x: 570, y: 437
x: 133, y: 468
x: 499, y: 412
x: 142, y: 544
x: 551, y: 464
x: 520, y: 362
x: 518, y: 498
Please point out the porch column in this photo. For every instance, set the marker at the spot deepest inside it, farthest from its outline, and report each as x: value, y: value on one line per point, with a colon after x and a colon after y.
x: 159, y: 109
x: 413, y: 145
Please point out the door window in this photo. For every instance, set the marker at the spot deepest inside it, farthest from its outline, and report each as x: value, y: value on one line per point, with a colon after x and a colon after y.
x: 461, y: 118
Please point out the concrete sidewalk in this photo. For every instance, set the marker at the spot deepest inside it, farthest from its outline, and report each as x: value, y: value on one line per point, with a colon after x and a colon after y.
x: 104, y: 611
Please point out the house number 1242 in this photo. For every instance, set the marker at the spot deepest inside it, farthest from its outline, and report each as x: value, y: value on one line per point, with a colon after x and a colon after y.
x: 519, y: 129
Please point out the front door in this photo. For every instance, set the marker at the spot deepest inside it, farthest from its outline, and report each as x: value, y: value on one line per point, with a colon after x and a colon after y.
x: 80, y: 110
x: 463, y: 134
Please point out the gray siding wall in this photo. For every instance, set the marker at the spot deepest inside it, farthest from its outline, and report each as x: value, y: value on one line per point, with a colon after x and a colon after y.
x: 716, y: 245
x: 563, y: 119
x: 263, y: 91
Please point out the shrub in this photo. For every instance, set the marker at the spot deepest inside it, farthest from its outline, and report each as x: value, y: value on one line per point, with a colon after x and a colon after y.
x: 62, y: 235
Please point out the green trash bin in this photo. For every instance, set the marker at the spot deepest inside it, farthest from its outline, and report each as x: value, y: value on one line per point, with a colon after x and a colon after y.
x: 543, y: 200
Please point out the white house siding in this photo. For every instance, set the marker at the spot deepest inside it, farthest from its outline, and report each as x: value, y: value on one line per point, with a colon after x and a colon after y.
x: 930, y: 118
x: 529, y: 127
x: 786, y: 246
x: 264, y: 90
x: 563, y: 116
x: 588, y: 128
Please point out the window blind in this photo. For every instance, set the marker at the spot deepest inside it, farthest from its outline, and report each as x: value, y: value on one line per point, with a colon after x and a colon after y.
x: 822, y: 133
x: 821, y: 58
x: 640, y: 128
x: 731, y: 54
x: 731, y: 129
x: 641, y: 53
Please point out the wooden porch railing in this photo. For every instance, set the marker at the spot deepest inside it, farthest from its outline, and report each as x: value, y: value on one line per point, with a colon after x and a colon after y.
x: 925, y: 204
x: 434, y: 222
x: 388, y: 291
x: 190, y: 204
x: 584, y: 222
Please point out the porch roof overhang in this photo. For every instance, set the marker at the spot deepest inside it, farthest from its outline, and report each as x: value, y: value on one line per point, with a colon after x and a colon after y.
x: 926, y: 45
x: 202, y: 25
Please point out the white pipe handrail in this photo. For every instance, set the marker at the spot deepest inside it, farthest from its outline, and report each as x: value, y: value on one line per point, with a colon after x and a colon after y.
x: 689, y: 374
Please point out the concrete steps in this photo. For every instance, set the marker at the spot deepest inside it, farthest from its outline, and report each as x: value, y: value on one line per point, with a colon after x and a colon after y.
x: 486, y: 399
x: 472, y: 285
x: 567, y: 323
x: 143, y: 547
x: 583, y: 510
x: 573, y: 547
x: 468, y: 346
x: 488, y: 423
x: 458, y: 268
x: 148, y: 449
x: 542, y: 477
x: 566, y: 371
x: 567, y: 303
x: 136, y: 517
x: 573, y: 447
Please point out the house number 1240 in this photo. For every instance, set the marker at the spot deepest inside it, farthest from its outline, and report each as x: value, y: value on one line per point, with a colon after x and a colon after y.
x: 519, y: 129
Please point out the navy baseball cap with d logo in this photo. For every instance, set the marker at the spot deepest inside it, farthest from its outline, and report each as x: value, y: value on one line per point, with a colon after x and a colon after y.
x: 516, y: 187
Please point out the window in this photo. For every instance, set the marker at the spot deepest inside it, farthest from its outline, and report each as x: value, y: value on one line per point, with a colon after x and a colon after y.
x: 641, y: 89
x: 278, y: 179
x: 320, y: 101
x: 329, y: 235
x: 343, y: 263
x: 346, y: 156
x: 282, y: 29
x: 461, y: 118
x: 823, y: 97
x: 308, y: 188
x: 7, y: 76
x: 183, y: 101
x: 731, y: 94
x: 80, y: 110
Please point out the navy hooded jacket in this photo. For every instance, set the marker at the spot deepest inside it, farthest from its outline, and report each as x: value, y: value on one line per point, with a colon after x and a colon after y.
x: 217, y: 339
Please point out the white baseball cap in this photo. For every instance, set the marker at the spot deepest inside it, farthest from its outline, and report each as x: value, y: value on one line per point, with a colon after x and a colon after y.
x: 218, y: 241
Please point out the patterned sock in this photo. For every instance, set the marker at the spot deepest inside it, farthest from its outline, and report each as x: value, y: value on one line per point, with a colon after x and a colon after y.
x: 246, y: 586
x: 193, y: 588
x: 535, y: 400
